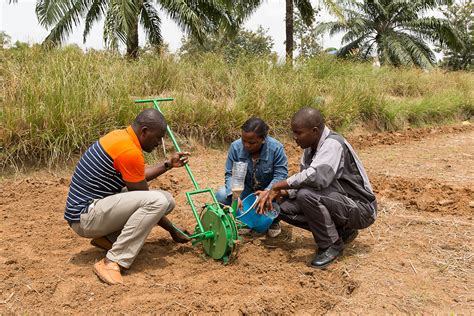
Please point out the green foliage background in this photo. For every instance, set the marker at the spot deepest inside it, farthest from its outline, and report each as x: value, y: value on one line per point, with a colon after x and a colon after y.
x: 55, y: 103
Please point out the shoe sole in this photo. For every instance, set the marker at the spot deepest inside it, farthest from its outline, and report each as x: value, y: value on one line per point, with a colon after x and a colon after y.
x: 321, y: 267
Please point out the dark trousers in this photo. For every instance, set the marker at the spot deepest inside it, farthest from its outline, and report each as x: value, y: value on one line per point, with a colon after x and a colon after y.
x: 324, y: 212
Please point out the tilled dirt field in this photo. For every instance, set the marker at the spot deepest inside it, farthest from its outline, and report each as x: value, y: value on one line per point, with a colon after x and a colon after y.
x: 416, y: 258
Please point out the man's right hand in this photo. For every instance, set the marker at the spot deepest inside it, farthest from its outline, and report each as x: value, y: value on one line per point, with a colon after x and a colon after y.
x: 265, y: 202
x: 179, y: 159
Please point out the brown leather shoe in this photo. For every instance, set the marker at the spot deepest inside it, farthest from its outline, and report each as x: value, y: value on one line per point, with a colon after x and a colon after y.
x: 108, y: 272
x: 102, y: 243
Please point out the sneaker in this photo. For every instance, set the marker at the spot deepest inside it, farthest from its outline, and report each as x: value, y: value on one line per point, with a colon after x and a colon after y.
x: 274, y: 230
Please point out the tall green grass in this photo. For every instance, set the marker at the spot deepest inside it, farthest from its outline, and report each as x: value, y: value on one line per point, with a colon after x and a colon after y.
x: 55, y: 103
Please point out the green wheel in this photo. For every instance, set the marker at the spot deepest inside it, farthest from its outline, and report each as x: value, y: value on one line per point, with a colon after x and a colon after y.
x: 225, y: 233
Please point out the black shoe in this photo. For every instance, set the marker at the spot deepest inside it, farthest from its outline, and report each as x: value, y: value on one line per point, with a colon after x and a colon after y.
x: 348, y: 235
x: 325, y: 257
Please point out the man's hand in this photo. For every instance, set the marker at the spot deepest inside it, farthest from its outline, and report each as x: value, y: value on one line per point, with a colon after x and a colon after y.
x: 179, y: 159
x: 179, y: 237
x: 265, y: 200
x: 174, y: 232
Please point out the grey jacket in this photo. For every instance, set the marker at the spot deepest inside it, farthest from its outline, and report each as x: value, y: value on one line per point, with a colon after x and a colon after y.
x: 334, y: 164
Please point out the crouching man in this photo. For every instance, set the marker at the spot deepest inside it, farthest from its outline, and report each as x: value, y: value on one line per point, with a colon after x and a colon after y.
x: 118, y: 220
x: 331, y: 196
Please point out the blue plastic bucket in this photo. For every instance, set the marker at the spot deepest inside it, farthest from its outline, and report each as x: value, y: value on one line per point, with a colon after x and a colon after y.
x: 249, y: 216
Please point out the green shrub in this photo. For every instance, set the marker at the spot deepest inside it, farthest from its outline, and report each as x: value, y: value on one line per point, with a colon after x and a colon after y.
x: 55, y: 103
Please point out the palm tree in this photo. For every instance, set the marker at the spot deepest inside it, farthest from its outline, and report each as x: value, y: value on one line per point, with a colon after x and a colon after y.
x: 394, y: 30
x: 307, y: 13
x: 122, y: 18
x: 307, y: 16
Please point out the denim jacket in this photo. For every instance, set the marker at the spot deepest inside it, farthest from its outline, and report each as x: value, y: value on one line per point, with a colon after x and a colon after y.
x: 271, y: 167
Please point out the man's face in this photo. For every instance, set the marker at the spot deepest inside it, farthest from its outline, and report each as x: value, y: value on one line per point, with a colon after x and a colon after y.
x: 150, y: 138
x: 305, y: 137
x: 252, y: 142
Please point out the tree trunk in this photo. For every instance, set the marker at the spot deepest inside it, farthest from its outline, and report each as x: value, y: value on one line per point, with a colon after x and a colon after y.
x: 132, y: 41
x: 289, y: 31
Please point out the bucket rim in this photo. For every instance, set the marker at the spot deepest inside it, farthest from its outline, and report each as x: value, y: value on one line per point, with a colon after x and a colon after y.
x: 251, y: 207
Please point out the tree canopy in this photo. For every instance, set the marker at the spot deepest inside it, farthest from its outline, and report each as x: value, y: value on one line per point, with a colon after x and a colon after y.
x: 398, y: 32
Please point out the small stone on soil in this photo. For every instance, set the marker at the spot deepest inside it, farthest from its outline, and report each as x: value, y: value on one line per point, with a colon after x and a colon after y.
x: 445, y: 202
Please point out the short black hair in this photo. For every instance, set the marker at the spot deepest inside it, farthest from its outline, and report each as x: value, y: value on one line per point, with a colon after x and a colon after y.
x: 257, y: 126
x: 150, y: 118
x: 309, y: 118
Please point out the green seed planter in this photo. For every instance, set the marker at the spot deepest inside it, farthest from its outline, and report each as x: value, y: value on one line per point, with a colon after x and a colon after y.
x: 216, y: 227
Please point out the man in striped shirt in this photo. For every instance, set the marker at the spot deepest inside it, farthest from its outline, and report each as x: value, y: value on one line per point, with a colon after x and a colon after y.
x: 119, y: 220
x: 331, y: 196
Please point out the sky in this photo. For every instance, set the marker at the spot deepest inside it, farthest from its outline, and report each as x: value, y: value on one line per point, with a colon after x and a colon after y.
x: 20, y: 22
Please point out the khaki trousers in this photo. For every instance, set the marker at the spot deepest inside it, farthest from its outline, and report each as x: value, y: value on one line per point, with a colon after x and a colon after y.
x: 126, y: 219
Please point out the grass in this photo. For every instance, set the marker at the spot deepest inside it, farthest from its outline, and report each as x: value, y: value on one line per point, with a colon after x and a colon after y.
x: 56, y: 103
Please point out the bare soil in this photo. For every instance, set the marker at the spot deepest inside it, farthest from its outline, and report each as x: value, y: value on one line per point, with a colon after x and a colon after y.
x: 416, y: 258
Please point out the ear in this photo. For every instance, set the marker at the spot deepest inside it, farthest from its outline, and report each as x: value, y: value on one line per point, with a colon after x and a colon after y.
x: 143, y: 130
x: 315, y: 129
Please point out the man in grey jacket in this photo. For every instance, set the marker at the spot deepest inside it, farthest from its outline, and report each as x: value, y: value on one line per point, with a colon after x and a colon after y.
x: 331, y: 196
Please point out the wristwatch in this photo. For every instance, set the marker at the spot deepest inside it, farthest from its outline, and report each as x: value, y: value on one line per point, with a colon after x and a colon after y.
x: 168, y: 165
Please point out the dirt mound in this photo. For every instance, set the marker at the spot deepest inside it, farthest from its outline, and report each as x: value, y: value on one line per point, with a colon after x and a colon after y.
x: 366, y: 140
x: 398, y: 137
x: 425, y: 194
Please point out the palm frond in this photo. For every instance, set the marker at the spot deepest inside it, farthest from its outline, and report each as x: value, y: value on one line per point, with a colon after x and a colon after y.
x: 438, y: 31
x: 63, y: 22
x: 219, y: 16
x: 96, y: 11
x: 306, y: 10
x: 421, y: 55
x: 151, y: 22
x: 423, y: 6
x: 336, y: 7
x: 127, y: 13
x: 345, y: 50
x: 50, y: 12
x: 332, y: 27
x: 242, y: 9
x: 400, y: 49
x: 188, y: 16
x: 376, y: 9
x: 391, y: 52
x: 113, y: 31
x: 352, y: 35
